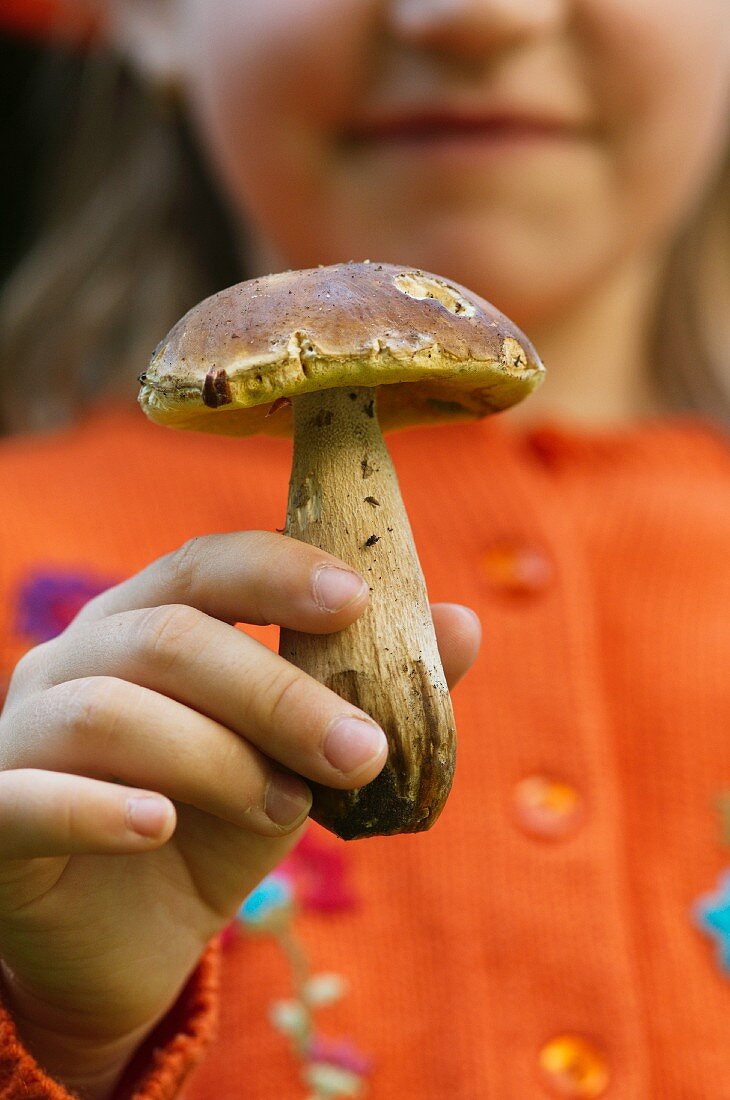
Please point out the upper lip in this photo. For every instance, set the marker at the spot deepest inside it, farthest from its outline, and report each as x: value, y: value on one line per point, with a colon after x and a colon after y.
x: 425, y: 122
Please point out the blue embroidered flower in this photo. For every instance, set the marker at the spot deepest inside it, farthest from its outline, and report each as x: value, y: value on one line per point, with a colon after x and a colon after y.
x: 50, y: 598
x: 712, y: 913
x: 268, y: 903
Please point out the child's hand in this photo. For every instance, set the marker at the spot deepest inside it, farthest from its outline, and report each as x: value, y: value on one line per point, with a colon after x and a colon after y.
x: 151, y: 689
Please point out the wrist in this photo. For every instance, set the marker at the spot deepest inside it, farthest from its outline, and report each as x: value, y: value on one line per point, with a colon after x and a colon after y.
x: 89, y: 1066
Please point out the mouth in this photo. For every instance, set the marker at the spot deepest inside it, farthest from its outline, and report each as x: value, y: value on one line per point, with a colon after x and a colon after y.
x: 432, y: 127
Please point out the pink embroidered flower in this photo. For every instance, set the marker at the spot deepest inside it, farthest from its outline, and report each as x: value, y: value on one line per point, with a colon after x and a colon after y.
x: 315, y: 871
x: 228, y: 936
x: 318, y: 870
x: 341, y: 1053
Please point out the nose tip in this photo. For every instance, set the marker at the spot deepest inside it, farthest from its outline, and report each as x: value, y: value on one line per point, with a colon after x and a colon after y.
x: 472, y: 27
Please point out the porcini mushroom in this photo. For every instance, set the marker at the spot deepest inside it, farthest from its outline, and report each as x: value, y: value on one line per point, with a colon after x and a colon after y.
x: 328, y: 352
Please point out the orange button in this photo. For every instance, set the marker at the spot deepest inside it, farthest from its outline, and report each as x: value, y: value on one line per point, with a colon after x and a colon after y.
x: 517, y: 569
x: 573, y: 1067
x: 547, y: 808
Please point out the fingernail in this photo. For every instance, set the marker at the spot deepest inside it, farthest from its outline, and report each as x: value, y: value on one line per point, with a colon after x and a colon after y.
x: 147, y: 816
x: 352, y: 742
x: 336, y: 588
x: 287, y: 799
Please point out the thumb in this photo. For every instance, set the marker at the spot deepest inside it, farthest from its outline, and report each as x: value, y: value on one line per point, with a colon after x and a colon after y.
x: 459, y: 635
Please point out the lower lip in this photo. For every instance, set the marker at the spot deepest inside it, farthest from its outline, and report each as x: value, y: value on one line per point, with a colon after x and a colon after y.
x: 502, y: 141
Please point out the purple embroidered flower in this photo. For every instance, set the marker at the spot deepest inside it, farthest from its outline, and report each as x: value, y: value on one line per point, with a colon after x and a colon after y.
x: 50, y: 598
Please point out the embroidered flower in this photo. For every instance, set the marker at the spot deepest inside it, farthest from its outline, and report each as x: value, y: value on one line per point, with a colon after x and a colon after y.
x: 228, y: 935
x: 331, y: 1067
x: 50, y: 598
x: 329, y: 1081
x: 712, y: 913
x: 339, y: 1052
x: 323, y: 989
x: 311, y: 877
x: 267, y: 907
x: 318, y: 869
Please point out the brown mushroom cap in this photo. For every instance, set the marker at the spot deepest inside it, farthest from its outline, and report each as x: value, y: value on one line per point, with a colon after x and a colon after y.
x: 439, y: 351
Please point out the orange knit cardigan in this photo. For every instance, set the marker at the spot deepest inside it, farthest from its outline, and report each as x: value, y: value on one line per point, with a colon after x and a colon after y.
x: 564, y: 929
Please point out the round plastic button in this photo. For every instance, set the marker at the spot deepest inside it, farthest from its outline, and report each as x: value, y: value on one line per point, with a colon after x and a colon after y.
x: 516, y: 569
x: 573, y: 1067
x: 547, y: 808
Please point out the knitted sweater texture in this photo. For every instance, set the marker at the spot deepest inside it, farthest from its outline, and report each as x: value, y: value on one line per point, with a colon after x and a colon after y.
x: 564, y: 929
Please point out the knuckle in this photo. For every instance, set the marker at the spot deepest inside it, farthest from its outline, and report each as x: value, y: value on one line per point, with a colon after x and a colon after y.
x: 29, y: 669
x: 162, y: 629
x: 241, y: 764
x: 87, y: 704
x: 281, y: 693
x: 180, y: 568
x: 69, y: 826
x: 258, y: 543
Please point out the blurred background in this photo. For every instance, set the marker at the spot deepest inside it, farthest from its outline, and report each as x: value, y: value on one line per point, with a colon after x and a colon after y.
x: 23, y: 132
x: 108, y: 214
x: 64, y: 105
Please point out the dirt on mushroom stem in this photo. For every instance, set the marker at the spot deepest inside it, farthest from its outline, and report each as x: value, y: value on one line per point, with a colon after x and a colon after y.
x: 344, y: 498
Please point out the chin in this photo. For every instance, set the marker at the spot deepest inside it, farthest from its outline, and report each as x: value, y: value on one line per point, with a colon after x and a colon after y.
x: 530, y: 280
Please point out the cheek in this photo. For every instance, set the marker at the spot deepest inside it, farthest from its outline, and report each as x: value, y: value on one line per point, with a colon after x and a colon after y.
x: 526, y: 234
x: 267, y: 80
x: 660, y: 71
x: 271, y: 82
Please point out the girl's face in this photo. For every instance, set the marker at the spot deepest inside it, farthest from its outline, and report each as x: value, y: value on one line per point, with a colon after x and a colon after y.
x: 521, y: 147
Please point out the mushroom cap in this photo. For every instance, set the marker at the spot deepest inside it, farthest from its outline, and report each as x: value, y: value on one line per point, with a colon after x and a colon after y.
x: 438, y: 351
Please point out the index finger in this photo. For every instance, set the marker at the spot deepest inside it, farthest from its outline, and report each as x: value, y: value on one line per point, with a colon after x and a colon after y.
x: 244, y: 576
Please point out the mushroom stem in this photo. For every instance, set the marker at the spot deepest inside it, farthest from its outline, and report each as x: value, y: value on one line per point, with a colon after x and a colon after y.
x: 344, y: 498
